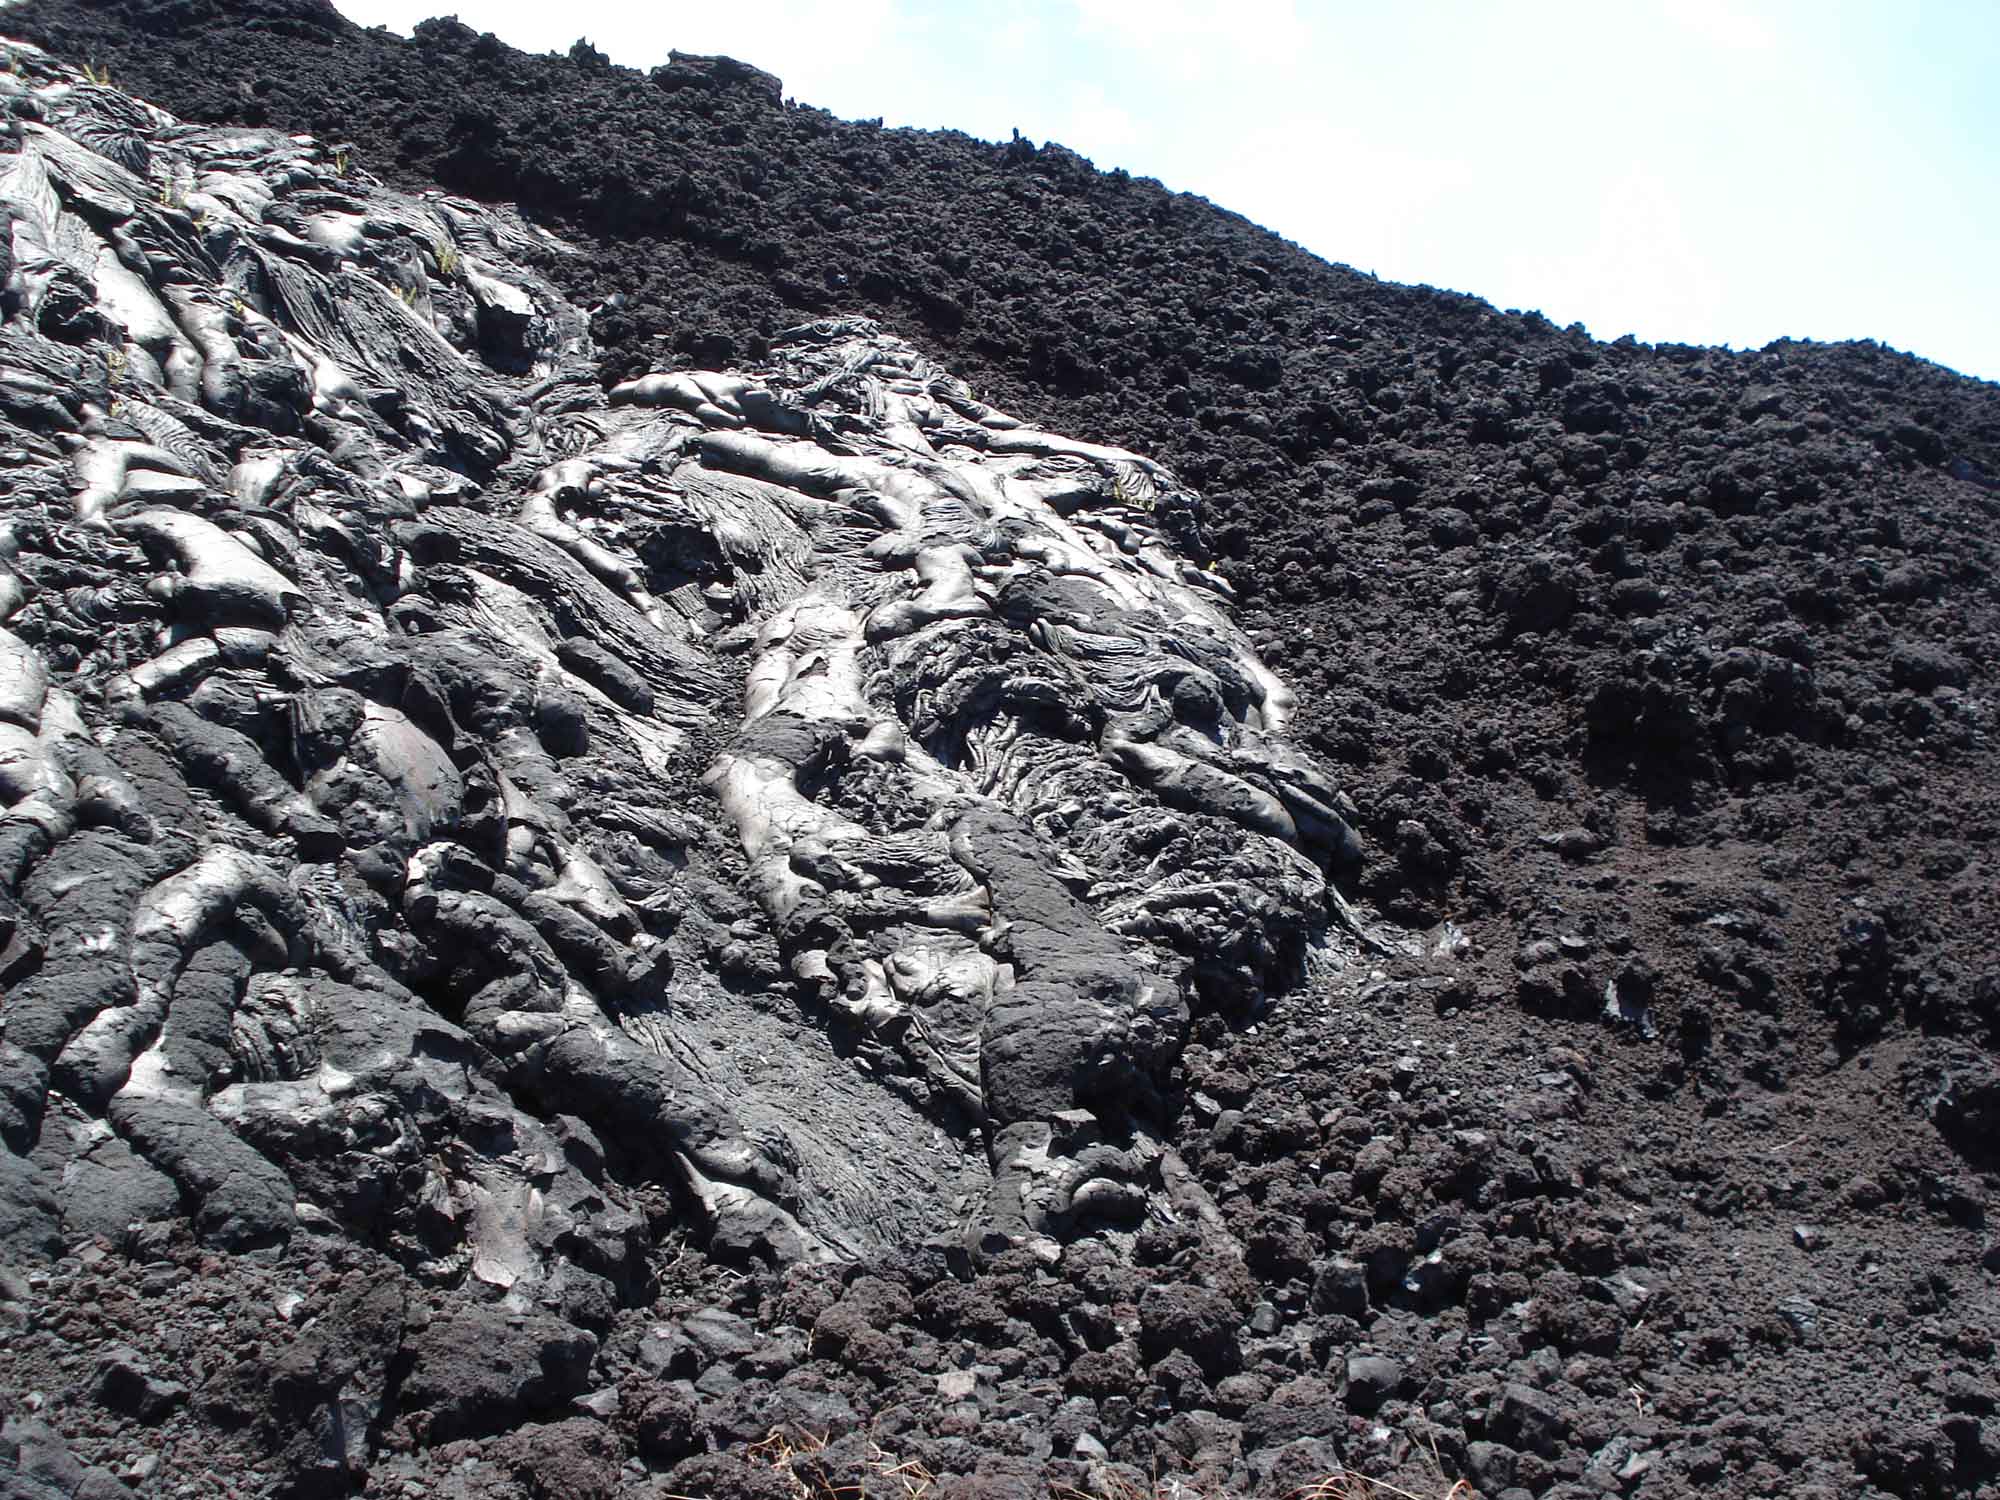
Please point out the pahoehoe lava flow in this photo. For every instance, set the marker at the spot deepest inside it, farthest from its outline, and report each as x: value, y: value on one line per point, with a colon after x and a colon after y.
x: 696, y: 800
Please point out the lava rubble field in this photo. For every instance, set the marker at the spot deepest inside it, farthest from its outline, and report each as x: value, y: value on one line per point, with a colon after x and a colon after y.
x: 1575, y: 1076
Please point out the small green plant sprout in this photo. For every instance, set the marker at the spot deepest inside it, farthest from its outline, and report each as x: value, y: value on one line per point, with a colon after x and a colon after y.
x: 408, y: 296
x: 115, y: 364
x: 98, y: 73
x: 445, y: 253
x: 341, y: 161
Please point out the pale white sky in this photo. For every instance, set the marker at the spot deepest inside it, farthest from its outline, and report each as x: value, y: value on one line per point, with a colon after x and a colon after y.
x: 1700, y: 171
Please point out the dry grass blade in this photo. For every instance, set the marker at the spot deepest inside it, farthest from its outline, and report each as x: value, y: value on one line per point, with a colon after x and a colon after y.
x: 1351, y: 1486
x: 916, y: 1480
x: 1108, y: 1483
x: 780, y: 1450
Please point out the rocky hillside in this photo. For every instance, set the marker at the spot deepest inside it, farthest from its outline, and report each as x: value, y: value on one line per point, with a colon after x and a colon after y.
x: 703, y: 800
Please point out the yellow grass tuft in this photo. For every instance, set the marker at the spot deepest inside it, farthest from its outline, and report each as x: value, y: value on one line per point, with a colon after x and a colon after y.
x: 784, y: 1451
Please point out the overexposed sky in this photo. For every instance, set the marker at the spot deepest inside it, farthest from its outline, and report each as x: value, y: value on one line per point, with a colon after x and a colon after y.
x: 1696, y: 171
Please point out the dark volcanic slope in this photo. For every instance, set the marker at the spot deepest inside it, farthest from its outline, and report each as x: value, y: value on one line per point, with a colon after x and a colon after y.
x: 1667, y: 672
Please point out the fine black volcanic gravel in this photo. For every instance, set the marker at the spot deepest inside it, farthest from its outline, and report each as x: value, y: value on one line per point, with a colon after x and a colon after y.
x: 1666, y: 673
